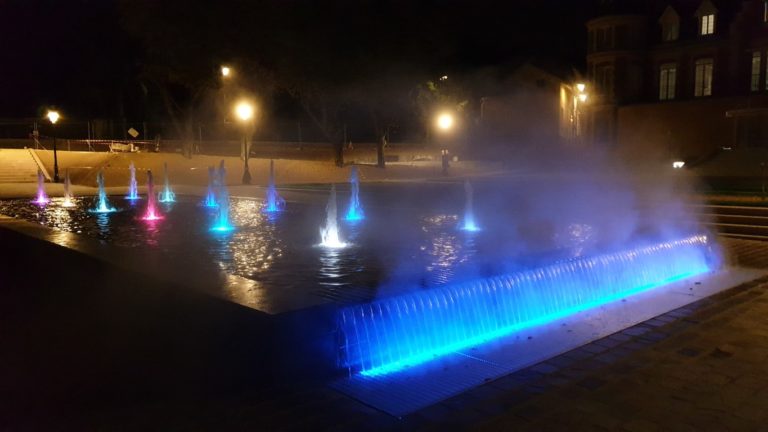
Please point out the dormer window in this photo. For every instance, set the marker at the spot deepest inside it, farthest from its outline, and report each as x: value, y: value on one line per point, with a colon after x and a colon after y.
x: 670, y: 25
x: 706, y: 14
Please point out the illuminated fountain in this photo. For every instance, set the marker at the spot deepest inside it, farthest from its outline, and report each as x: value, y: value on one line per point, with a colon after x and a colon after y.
x: 210, y: 195
x: 397, y: 332
x: 151, y: 214
x: 329, y: 234
x: 42, y: 197
x: 221, y: 221
x: 166, y: 195
x: 469, y: 212
x: 133, y: 188
x: 275, y: 202
x: 102, y: 203
x: 355, y: 211
x: 69, y: 200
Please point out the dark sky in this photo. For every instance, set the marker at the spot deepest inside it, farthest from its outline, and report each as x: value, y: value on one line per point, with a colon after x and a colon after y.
x: 79, y: 54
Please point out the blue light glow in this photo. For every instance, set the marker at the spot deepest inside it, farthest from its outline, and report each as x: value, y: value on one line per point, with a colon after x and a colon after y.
x: 398, y: 332
x: 166, y: 195
x: 102, y: 204
x: 133, y: 186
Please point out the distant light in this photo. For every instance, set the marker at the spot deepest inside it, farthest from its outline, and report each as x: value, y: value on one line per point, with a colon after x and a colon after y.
x: 678, y: 164
x: 244, y: 111
x: 225, y: 71
x: 445, y: 121
x: 444, y: 77
x: 583, y: 97
x: 580, y: 87
x: 53, y: 116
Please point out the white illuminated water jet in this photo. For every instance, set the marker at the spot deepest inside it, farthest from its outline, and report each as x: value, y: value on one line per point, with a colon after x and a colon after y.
x: 166, y: 195
x: 469, y: 212
x: 133, y: 187
x: 329, y: 234
x: 355, y: 211
x: 68, y: 198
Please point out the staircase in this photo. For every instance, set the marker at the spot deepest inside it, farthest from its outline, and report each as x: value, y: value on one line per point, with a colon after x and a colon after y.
x: 17, y: 166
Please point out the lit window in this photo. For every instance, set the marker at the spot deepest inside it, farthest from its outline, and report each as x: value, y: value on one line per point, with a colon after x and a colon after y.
x: 704, y: 69
x: 755, y: 81
x: 765, y: 11
x: 707, y: 24
x: 667, y: 81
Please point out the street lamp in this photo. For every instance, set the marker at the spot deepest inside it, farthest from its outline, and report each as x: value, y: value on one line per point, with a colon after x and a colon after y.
x: 226, y: 71
x: 444, y: 123
x: 244, y: 111
x: 579, y: 97
x: 53, y: 117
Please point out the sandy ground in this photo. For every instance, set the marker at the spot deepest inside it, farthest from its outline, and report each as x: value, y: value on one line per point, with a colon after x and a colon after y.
x: 83, y: 167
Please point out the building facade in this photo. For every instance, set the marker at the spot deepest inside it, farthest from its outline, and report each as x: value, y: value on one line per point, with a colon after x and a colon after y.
x: 679, y: 79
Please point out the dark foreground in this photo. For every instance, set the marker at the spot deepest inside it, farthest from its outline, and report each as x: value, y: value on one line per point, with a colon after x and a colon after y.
x: 122, y: 352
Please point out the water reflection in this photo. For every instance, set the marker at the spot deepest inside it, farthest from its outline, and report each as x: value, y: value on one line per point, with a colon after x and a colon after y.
x: 445, y: 248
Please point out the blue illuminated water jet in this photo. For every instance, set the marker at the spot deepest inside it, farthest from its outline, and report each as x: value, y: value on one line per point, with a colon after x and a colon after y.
x: 398, y: 332
x: 355, y: 211
x: 468, y: 224
x: 133, y: 187
x: 221, y: 220
x: 102, y: 203
x: 210, y: 195
x: 166, y: 195
x: 275, y: 202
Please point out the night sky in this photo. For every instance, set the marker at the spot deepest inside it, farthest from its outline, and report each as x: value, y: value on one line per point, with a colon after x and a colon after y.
x: 89, y: 55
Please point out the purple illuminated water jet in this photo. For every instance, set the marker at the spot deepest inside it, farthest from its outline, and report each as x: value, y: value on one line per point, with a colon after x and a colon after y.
x: 42, y: 197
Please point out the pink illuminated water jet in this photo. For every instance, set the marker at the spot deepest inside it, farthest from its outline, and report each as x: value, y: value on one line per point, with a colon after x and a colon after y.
x: 151, y: 214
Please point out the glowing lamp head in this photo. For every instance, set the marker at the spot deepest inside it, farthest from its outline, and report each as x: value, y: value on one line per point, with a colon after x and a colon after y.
x: 53, y: 116
x: 678, y: 164
x: 583, y: 97
x: 244, y: 111
x: 445, y: 121
x: 226, y: 71
x: 581, y: 87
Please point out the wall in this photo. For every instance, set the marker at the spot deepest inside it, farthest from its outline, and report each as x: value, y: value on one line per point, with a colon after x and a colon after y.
x: 687, y: 130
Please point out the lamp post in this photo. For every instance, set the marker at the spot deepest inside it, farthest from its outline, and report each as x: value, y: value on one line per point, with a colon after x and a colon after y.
x: 579, y: 97
x: 444, y: 123
x: 53, y: 117
x: 244, y: 112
